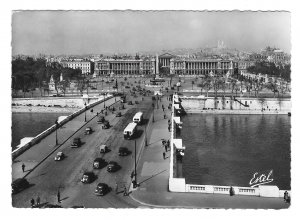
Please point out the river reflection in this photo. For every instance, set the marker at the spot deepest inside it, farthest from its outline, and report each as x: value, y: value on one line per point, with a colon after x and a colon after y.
x: 230, y: 149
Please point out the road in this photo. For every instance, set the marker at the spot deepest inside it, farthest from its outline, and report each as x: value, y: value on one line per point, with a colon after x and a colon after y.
x: 51, y: 176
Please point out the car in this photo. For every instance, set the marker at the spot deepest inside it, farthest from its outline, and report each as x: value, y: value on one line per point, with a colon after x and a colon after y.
x: 76, y: 143
x: 101, y: 189
x: 123, y: 151
x: 118, y: 114
x: 129, y: 103
x: 115, y: 87
x: 19, y: 184
x: 122, y: 107
x: 88, y: 177
x: 59, y: 156
x: 136, y: 102
x: 101, y: 119
x: 105, y: 125
x: 127, y: 87
x: 88, y: 130
x: 112, y: 166
x: 99, y: 163
x: 103, y: 148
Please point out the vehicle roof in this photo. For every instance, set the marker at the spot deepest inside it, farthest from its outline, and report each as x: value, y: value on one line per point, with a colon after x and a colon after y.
x: 88, y: 173
x: 88, y: 128
x: 102, y: 145
x: 138, y: 114
x: 101, y: 184
x: 98, y: 159
x: 130, y: 126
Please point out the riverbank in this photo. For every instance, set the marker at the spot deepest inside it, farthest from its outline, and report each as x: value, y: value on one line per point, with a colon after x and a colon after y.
x: 43, y: 109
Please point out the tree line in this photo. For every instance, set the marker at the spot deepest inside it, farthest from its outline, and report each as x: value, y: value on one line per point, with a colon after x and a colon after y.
x: 29, y: 74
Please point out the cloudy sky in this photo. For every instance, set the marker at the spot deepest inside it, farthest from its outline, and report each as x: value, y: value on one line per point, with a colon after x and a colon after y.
x: 69, y: 32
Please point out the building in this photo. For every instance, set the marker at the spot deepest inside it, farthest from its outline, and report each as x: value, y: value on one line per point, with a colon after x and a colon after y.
x: 84, y: 65
x: 143, y: 66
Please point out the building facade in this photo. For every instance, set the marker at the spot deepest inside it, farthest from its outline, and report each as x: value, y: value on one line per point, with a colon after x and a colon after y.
x: 85, y: 66
x: 125, y: 67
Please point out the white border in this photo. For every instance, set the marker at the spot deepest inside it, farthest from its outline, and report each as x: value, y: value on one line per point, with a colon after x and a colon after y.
x: 7, y: 6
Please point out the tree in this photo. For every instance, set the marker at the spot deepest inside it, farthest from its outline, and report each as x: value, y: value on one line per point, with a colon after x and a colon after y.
x: 208, y: 84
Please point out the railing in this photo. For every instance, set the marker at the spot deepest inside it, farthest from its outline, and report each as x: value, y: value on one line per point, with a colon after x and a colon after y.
x: 45, y: 133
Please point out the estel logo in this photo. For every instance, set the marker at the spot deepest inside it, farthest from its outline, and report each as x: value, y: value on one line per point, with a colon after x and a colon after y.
x: 260, y: 179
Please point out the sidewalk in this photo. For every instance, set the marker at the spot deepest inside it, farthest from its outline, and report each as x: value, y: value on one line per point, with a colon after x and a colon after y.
x: 153, y: 177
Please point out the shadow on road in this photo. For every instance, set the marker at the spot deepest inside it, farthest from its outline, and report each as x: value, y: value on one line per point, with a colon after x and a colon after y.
x: 152, y: 176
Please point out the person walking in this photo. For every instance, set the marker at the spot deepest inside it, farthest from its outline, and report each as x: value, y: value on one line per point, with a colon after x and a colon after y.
x: 125, y: 191
x: 164, y: 155
x: 166, y: 147
x: 23, y: 167
x: 58, y: 197
x: 32, y: 203
x: 38, y: 200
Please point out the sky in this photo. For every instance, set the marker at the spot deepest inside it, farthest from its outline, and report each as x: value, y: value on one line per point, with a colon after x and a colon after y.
x: 100, y: 32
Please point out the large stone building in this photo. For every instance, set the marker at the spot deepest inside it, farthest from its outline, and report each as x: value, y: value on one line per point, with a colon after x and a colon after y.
x: 85, y: 66
x: 125, y: 67
x: 165, y: 63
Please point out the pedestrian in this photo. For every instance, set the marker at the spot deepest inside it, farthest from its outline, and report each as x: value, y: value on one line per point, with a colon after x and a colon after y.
x: 116, y: 188
x: 125, y: 191
x: 164, y: 155
x: 285, y: 197
x: 58, y: 196
x: 169, y: 128
x: 231, y: 191
x: 166, y: 147
x: 38, y: 200
x: 165, y: 116
x: 168, y: 143
x: 32, y: 203
x: 23, y: 167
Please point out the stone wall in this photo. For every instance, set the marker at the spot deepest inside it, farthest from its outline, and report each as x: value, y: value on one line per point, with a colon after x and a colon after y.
x: 255, y: 105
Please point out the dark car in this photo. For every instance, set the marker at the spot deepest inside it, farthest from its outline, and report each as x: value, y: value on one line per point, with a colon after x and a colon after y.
x: 101, y: 189
x: 112, y: 166
x: 118, y: 114
x: 76, y: 143
x: 136, y: 102
x: 105, y: 125
x: 129, y: 103
x: 88, y: 130
x: 19, y: 185
x: 88, y: 177
x: 101, y: 119
x: 127, y: 87
x: 59, y: 156
x: 123, y: 151
x: 99, y: 163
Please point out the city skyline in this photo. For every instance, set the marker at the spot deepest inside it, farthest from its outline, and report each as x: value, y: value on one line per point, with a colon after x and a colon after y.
x: 102, y: 32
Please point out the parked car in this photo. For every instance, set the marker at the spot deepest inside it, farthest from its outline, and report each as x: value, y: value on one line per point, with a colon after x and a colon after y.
x: 118, y: 114
x: 102, y: 189
x: 136, y: 102
x: 129, y: 103
x: 99, y: 163
x: 76, y: 143
x: 59, y: 156
x: 88, y: 177
x: 103, y: 148
x: 105, y: 125
x: 88, y: 130
x: 19, y: 184
x: 112, y: 166
x: 127, y: 87
x: 101, y: 119
x: 123, y: 151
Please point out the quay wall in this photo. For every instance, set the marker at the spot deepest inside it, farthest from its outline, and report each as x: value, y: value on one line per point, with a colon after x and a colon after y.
x: 238, y: 105
x: 179, y: 185
x: 45, y: 133
x: 54, y: 102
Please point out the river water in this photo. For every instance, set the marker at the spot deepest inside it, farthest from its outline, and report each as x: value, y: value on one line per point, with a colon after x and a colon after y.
x: 31, y: 124
x: 230, y: 149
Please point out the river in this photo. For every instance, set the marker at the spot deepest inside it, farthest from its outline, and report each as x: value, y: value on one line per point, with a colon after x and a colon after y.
x: 31, y: 124
x: 230, y: 149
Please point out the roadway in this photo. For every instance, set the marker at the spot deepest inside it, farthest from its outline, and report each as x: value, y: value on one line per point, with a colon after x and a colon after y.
x: 51, y: 176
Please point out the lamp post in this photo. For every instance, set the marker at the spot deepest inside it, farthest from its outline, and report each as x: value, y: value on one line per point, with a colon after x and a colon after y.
x: 84, y: 112
x: 135, y: 174
x: 153, y: 112
x: 157, y: 100
x: 56, y: 139
x: 146, y: 135
x: 104, y: 100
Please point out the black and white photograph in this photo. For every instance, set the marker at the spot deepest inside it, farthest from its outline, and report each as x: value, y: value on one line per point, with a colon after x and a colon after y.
x: 151, y: 109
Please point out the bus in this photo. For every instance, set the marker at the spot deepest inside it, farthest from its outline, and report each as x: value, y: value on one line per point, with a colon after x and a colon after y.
x: 138, y: 118
x: 130, y: 130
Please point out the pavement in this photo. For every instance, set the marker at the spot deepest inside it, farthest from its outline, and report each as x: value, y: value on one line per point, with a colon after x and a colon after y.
x: 153, y: 175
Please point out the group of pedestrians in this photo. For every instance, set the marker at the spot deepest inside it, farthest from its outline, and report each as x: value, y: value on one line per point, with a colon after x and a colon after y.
x: 166, y: 145
x: 37, y: 204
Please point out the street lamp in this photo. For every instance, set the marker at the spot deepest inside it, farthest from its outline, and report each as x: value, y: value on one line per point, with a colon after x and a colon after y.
x: 153, y: 112
x: 135, y: 174
x: 146, y: 135
x: 56, y: 139
x: 84, y: 112
x: 157, y: 100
